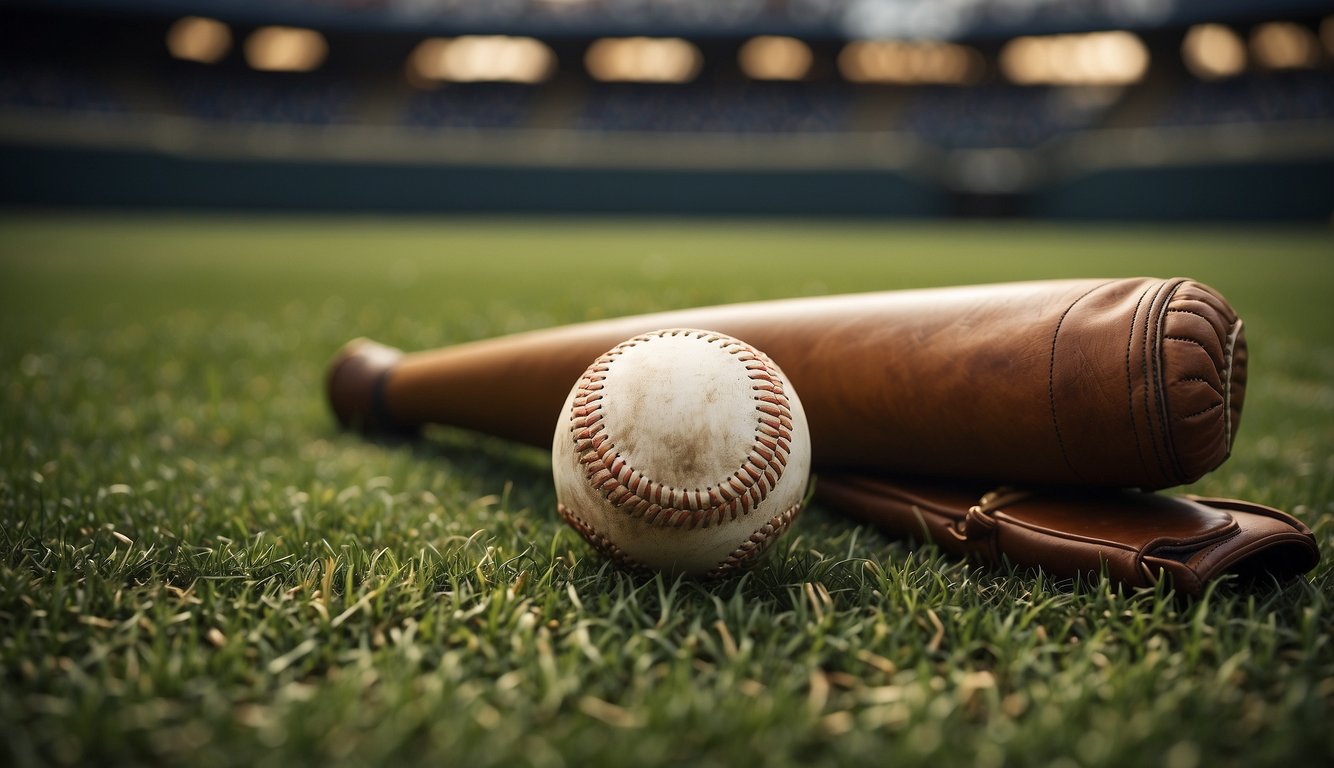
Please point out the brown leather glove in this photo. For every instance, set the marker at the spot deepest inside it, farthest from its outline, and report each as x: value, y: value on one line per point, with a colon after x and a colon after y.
x: 1139, y: 538
x: 1124, y: 382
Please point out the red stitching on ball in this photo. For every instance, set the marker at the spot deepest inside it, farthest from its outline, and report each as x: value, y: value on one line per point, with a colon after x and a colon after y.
x: 756, y: 544
x: 639, y: 495
x: 740, y: 558
x: 601, y: 543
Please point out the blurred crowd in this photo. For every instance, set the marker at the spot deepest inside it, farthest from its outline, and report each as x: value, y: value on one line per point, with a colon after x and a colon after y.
x: 1254, y: 98
x: 992, y: 114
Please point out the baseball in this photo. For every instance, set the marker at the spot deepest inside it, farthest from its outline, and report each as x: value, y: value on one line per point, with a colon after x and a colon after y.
x: 681, y: 450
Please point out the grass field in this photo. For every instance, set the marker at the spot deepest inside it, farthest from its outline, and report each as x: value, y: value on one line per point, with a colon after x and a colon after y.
x: 198, y: 568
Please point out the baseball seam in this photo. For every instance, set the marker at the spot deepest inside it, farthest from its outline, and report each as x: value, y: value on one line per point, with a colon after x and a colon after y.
x: 640, y: 496
x: 756, y: 544
x: 605, y: 546
x: 745, y: 555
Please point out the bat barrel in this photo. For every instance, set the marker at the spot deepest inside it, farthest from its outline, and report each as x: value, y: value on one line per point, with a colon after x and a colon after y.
x: 1127, y: 382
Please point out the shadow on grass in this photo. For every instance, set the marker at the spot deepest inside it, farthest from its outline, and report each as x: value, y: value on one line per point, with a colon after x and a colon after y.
x: 849, y: 552
x: 493, y: 464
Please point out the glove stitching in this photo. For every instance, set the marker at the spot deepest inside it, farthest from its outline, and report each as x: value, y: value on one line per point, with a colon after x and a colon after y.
x: 1201, y: 379
x: 1187, y: 340
x: 1152, y: 387
x: 1225, y: 376
x: 1130, y: 390
x: 1190, y: 312
x: 1051, y: 380
x: 1204, y: 553
x: 1160, y: 384
x: 1215, y: 406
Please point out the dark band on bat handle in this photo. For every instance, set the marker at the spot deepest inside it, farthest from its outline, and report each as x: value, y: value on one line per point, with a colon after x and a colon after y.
x: 356, y: 386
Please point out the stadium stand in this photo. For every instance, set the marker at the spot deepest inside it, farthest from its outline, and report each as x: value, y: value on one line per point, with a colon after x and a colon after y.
x: 470, y: 105
x: 361, y: 107
x: 996, y: 116
x: 240, y: 96
x: 56, y: 86
x: 1254, y: 98
x: 750, y: 108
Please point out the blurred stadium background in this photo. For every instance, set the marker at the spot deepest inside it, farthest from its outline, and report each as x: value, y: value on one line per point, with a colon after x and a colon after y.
x: 1123, y: 109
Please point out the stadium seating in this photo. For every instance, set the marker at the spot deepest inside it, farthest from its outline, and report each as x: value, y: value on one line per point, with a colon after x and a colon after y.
x: 1254, y: 98
x: 57, y: 87
x: 470, y: 105
x: 58, y: 65
x: 995, y: 116
x: 241, y: 96
x: 386, y: 100
x: 992, y: 115
x: 748, y: 108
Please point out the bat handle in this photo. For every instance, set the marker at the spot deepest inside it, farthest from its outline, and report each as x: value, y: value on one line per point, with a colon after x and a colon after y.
x: 356, y: 386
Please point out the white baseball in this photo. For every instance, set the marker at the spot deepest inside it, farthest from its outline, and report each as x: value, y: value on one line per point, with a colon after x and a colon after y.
x: 681, y: 450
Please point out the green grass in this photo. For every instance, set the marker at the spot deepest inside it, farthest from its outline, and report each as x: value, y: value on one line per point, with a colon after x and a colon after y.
x: 197, y: 568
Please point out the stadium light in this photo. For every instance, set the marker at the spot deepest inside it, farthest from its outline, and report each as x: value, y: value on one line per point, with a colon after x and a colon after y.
x: 643, y: 59
x: 1284, y: 45
x: 775, y: 58
x: 1096, y: 58
x: 482, y: 58
x: 1212, y: 51
x: 195, y: 38
x: 902, y: 62
x: 285, y: 49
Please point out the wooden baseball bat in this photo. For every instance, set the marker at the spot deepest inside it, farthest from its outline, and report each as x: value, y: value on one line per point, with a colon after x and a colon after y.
x: 1134, y: 382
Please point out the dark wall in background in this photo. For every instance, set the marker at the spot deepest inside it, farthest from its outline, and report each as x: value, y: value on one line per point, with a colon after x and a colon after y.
x: 47, y: 176
x: 1302, y: 191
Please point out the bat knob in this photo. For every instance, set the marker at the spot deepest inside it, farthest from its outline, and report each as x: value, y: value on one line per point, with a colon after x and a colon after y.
x: 356, y: 384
